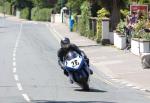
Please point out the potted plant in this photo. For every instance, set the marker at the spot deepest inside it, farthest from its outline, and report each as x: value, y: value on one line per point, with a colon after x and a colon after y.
x: 140, y: 42
x: 119, y: 36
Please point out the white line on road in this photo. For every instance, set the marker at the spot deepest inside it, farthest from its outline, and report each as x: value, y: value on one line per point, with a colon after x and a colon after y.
x: 14, y: 64
x: 14, y: 59
x: 130, y: 85
x: 19, y: 86
x: 26, y: 97
x: 16, y: 77
x: 136, y: 87
x: 142, y: 89
x: 14, y: 70
x: 14, y: 54
x: 56, y: 34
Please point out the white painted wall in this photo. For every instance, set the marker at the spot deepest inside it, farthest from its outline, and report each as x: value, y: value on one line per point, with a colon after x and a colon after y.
x: 139, y: 48
x: 119, y: 41
x: 105, y: 29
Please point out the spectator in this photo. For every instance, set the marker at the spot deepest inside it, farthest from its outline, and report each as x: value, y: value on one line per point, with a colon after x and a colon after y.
x: 131, y: 22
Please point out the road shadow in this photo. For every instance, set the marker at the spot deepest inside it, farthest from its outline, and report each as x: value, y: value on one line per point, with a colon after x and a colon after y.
x: 91, y: 90
x: 46, y: 101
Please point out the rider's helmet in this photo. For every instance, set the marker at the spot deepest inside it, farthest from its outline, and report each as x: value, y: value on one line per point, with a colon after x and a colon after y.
x: 65, y: 42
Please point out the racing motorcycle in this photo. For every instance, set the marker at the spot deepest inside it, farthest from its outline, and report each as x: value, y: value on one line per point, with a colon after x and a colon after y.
x: 77, y: 69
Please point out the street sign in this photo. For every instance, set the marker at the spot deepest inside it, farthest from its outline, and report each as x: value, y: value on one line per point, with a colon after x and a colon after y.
x: 139, y: 8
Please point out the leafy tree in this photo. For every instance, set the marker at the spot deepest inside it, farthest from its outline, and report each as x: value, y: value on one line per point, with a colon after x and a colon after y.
x: 75, y: 5
x: 20, y: 4
x: 60, y: 4
x: 114, y: 7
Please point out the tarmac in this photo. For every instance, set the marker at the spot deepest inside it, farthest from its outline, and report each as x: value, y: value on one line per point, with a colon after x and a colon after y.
x: 119, y: 66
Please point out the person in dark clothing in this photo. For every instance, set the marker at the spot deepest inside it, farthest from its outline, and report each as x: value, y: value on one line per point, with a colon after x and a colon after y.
x: 65, y: 47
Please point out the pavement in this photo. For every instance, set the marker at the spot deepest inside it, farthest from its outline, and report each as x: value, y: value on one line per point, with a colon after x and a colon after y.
x: 118, y: 65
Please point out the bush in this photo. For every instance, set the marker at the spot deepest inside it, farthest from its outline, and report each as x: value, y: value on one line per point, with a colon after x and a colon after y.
x: 84, y: 27
x: 1, y: 9
x: 7, y: 8
x: 120, y: 27
x: 44, y: 14
x: 41, y: 14
x: 34, y: 14
x: 101, y: 14
x: 24, y: 14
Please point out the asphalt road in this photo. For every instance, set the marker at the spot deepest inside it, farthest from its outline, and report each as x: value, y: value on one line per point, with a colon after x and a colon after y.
x: 29, y: 71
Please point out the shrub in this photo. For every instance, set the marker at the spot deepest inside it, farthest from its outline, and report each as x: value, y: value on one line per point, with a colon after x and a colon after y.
x: 41, y: 14
x: 1, y: 9
x: 44, y: 14
x: 84, y: 20
x: 120, y: 27
x: 34, y: 14
x: 7, y: 8
x: 124, y: 13
x: 101, y: 14
x: 24, y: 14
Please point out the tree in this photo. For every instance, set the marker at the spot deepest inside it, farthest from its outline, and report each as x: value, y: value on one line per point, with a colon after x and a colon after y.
x: 20, y: 4
x: 75, y: 6
x: 60, y: 4
x: 114, y: 7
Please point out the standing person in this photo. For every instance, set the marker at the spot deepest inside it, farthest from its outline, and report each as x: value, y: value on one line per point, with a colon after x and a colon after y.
x: 130, y: 25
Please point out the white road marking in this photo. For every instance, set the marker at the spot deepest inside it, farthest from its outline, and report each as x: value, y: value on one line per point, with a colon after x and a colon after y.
x: 130, y: 85
x: 142, y: 89
x: 136, y: 87
x: 19, y: 86
x: 57, y: 35
x: 14, y: 59
x: 16, y: 46
x: 14, y: 64
x: 26, y: 97
x: 16, y: 77
x: 15, y: 49
x: 124, y: 82
x: 14, y: 54
x: 14, y: 70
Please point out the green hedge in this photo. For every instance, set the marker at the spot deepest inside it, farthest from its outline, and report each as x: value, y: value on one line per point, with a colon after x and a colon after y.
x: 7, y: 8
x: 34, y: 13
x: 41, y: 14
x: 24, y: 14
x: 1, y: 9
